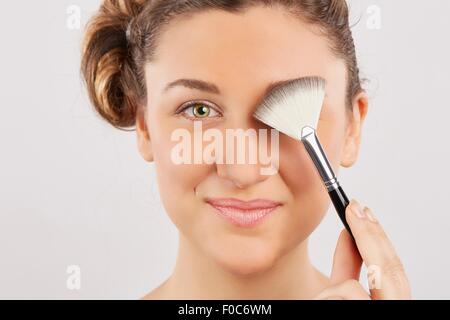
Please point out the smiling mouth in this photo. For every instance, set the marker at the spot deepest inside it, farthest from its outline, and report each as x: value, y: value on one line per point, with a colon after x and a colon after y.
x: 244, y: 213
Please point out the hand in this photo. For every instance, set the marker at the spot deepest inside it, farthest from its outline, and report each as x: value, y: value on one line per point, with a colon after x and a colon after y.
x: 386, y: 275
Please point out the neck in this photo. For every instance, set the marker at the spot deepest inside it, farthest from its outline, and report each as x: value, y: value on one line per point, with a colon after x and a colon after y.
x: 196, y: 276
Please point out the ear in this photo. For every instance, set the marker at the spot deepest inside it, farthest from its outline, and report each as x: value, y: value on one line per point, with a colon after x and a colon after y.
x: 354, y: 127
x: 143, y: 136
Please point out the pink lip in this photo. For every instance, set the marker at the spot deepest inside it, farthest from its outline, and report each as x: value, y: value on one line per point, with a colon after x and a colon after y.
x: 244, y: 213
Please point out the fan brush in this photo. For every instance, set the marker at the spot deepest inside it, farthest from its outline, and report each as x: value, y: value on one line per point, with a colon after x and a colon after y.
x: 293, y: 108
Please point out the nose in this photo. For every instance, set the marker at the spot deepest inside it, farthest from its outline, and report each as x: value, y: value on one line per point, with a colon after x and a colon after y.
x: 242, y: 176
x: 243, y: 168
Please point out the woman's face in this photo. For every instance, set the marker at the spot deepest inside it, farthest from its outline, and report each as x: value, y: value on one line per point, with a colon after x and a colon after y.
x: 241, y: 55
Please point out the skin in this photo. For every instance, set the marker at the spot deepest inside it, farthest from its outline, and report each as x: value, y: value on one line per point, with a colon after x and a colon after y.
x: 217, y: 260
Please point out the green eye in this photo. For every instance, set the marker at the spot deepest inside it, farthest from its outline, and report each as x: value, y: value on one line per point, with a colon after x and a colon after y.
x: 200, y: 110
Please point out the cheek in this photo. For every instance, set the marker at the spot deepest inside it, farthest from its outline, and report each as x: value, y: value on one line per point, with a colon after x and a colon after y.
x: 296, y: 168
x: 331, y: 133
x: 176, y: 182
x: 309, y: 199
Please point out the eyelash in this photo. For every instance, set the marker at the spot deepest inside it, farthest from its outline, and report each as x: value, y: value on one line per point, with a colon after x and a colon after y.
x: 188, y: 105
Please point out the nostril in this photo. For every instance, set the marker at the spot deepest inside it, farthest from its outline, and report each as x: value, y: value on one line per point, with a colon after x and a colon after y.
x: 239, y: 175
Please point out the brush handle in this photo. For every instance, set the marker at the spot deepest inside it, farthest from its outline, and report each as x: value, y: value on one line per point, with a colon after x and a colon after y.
x: 320, y: 160
x: 340, y: 202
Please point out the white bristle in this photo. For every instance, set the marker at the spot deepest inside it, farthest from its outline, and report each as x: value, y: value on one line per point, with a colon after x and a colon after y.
x: 293, y: 105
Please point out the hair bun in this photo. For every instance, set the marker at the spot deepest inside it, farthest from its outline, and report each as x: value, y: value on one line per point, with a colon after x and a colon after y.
x: 106, y: 64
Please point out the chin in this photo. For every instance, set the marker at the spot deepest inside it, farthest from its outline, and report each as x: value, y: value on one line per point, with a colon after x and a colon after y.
x: 247, y: 260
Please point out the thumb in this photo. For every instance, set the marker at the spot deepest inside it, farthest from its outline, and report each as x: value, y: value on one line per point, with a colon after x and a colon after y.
x: 346, y: 261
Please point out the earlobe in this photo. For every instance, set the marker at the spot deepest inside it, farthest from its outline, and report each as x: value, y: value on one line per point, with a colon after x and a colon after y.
x: 143, y: 136
x: 356, y: 119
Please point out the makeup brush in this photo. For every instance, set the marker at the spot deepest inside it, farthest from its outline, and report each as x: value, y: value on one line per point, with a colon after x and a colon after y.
x: 293, y: 108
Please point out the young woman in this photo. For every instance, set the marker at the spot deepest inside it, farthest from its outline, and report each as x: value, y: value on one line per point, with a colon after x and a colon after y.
x: 164, y: 65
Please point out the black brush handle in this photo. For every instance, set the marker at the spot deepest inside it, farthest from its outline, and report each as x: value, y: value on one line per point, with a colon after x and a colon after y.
x: 340, y: 202
x: 320, y: 160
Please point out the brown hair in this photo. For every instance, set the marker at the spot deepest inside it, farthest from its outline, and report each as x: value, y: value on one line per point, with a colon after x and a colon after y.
x: 123, y: 35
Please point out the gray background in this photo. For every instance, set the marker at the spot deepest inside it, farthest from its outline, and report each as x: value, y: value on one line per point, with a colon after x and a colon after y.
x: 74, y: 191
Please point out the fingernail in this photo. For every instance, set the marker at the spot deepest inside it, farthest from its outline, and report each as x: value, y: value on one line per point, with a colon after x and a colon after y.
x: 357, y: 209
x: 370, y: 215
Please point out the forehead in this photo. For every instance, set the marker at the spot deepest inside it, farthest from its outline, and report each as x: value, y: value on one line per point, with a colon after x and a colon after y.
x: 236, y: 51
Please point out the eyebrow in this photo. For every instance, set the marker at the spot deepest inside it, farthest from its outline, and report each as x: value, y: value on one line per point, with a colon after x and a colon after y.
x: 212, y: 88
x: 194, y: 84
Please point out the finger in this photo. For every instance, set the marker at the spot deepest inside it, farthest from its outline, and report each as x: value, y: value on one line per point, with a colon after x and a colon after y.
x: 387, y: 279
x: 347, y: 260
x: 347, y: 290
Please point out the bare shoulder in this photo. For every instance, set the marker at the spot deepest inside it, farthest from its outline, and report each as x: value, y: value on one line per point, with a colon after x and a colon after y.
x: 159, y: 293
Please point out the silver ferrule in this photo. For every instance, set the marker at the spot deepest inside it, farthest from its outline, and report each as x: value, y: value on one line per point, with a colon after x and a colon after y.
x: 315, y: 151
